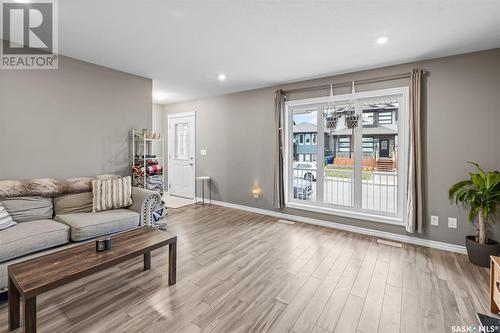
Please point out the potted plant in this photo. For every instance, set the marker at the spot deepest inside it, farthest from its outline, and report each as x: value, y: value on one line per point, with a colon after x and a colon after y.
x: 481, y: 195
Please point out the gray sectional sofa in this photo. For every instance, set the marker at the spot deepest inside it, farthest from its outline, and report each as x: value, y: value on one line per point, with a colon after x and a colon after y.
x: 59, y: 220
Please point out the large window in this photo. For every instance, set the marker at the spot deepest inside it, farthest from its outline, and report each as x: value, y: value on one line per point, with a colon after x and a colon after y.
x: 368, y: 145
x: 356, y: 172
x: 368, y: 118
x: 385, y: 118
x: 344, y: 144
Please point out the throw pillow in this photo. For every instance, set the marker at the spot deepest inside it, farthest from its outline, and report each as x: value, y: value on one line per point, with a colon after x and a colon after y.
x: 5, y: 219
x: 111, y: 193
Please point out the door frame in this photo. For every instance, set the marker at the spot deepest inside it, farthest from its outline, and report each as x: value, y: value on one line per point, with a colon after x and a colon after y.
x: 169, y: 143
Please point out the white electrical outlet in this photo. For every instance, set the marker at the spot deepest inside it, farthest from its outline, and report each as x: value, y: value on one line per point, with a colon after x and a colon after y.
x: 203, y: 152
x: 434, y: 220
x: 452, y: 222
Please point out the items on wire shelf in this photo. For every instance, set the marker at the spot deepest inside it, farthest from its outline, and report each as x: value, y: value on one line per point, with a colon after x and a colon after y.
x: 150, y: 177
x: 154, y: 183
x: 152, y: 168
x: 147, y: 160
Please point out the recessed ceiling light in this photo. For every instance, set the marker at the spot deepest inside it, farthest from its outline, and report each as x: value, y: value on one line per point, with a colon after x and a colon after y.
x: 159, y: 96
x: 382, y: 40
x: 221, y: 77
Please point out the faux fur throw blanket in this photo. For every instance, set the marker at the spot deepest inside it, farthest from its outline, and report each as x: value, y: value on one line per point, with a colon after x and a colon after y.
x: 47, y: 187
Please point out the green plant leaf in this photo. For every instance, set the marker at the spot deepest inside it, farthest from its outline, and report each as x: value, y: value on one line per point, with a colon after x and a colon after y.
x: 457, y: 187
x: 481, y: 171
x: 480, y: 192
x: 478, y: 181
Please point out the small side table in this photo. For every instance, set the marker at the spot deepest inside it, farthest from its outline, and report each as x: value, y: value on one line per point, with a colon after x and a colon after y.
x: 208, y: 181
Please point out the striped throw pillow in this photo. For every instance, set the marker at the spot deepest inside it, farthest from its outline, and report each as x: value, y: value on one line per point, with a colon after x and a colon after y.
x: 5, y: 220
x: 111, y: 193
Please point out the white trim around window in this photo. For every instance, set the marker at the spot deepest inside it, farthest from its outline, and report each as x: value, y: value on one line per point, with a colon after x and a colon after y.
x: 356, y: 212
x: 182, y: 114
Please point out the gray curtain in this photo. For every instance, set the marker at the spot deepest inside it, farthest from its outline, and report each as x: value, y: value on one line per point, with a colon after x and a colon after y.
x: 415, y: 195
x: 279, y: 116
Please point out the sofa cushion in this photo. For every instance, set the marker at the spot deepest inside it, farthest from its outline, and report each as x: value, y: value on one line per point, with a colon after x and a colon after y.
x: 32, y: 236
x: 25, y: 209
x: 89, y: 225
x: 73, y: 203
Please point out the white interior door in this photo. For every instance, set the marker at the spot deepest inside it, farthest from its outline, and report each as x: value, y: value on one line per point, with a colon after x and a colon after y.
x: 181, y: 155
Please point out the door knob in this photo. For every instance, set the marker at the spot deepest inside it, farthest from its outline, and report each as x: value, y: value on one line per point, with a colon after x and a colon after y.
x: 190, y: 163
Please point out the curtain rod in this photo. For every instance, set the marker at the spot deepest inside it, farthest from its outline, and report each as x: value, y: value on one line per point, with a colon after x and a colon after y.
x: 349, y: 84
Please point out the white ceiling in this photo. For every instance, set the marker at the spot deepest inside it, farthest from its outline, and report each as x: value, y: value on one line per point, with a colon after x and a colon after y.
x: 184, y: 45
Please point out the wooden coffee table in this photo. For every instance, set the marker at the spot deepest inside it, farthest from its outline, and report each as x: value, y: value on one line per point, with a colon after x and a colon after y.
x: 31, y: 278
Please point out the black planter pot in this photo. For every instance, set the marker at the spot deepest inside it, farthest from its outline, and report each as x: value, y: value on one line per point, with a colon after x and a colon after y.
x: 479, y: 254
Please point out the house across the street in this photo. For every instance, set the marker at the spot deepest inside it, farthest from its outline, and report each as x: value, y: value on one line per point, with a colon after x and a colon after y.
x: 379, y: 139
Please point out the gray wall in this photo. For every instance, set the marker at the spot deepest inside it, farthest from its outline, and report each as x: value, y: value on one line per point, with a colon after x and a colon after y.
x: 160, y: 126
x: 69, y: 122
x: 461, y: 123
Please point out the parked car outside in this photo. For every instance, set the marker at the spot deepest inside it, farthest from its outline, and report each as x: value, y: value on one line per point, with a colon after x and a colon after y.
x: 306, y: 170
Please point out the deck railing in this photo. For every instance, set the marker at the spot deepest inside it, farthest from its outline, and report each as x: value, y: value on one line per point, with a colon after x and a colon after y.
x: 379, y: 189
x: 338, y: 187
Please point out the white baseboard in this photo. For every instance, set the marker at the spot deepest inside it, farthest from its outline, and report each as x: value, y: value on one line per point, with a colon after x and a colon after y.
x: 351, y: 228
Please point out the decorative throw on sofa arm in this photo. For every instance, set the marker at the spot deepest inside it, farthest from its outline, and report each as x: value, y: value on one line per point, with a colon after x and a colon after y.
x: 158, y: 216
x: 146, y: 203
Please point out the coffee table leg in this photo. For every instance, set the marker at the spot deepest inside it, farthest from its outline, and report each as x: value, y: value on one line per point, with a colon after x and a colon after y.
x: 172, y: 263
x: 14, y: 306
x: 147, y: 261
x: 30, y: 315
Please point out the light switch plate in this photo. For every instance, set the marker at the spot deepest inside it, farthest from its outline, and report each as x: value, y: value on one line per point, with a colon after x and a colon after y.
x: 452, y: 222
x: 203, y: 152
x: 434, y: 220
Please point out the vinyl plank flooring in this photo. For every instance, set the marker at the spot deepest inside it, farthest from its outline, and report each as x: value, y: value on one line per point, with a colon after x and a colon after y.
x: 410, y: 304
x: 390, y: 317
x: 244, y: 272
x: 318, y: 329
x: 364, y: 277
x: 333, y: 308
x: 448, y: 300
x: 370, y: 315
x: 293, y: 310
x: 349, y: 317
x: 190, y: 328
x: 307, y: 320
x: 432, y: 312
